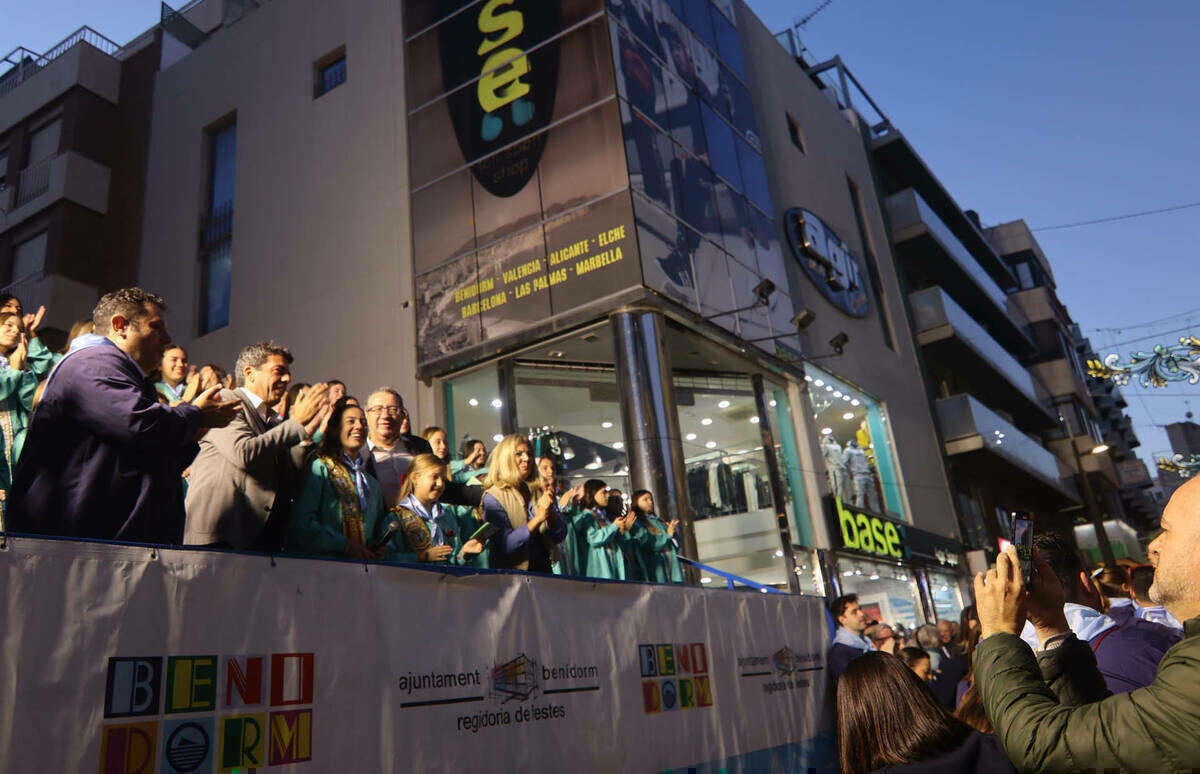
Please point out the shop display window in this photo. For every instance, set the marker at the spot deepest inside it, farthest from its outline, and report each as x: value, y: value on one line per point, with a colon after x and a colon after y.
x: 947, y: 596
x: 886, y: 592
x: 473, y: 405
x: 856, y: 445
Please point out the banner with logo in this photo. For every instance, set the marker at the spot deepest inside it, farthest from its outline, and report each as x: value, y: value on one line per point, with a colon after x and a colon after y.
x: 134, y: 660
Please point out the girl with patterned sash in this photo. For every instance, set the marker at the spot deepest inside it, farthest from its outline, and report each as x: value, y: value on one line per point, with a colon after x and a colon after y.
x: 430, y: 531
x: 339, y: 511
x: 654, y: 542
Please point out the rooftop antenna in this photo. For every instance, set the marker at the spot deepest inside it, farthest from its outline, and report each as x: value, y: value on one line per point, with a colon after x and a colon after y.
x: 804, y: 20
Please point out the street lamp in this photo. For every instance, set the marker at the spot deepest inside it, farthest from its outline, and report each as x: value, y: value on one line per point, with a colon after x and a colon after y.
x: 1106, y: 552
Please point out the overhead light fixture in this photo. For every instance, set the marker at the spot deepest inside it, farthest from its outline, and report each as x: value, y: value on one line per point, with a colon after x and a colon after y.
x: 856, y: 402
x: 618, y: 445
x: 771, y: 404
x: 497, y: 437
x: 554, y: 353
x: 472, y: 402
x: 497, y: 403
x: 807, y: 378
x: 819, y: 383
x: 754, y: 420
x: 829, y: 388
x: 1100, y: 449
x: 606, y: 425
x: 690, y: 436
x: 723, y: 404
x: 706, y: 580
x: 826, y: 431
x: 706, y: 421
x: 778, y: 554
x: 848, y: 415
x: 846, y: 398
x: 710, y: 445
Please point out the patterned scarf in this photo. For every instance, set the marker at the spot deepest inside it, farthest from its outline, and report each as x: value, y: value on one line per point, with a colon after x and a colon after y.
x: 351, y: 500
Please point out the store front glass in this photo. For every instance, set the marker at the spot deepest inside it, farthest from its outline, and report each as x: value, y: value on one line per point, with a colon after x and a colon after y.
x: 856, y: 445
x: 473, y: 405
x: 886, y: 591
x: 947, y: 596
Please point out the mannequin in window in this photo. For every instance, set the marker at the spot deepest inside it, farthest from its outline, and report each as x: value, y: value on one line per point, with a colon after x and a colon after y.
x: 839, y: 476
x: 863, y: 475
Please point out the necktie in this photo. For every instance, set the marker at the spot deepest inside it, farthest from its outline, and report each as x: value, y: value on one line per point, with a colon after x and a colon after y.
x: 359, y: 468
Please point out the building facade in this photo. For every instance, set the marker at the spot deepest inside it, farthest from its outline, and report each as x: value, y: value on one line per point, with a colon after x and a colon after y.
x: 74, y: 126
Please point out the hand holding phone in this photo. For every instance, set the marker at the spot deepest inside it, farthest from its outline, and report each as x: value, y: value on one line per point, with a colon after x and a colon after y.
x: 1021, y: 535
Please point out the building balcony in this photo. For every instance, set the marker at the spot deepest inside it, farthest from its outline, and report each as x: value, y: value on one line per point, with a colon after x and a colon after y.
x: 980, y: 439
x: 65, y: 299
x: 1062, y: 378
x: 66, y: 175
x: 31, y: 81
x: 953, y: 339
x: 934, y: 255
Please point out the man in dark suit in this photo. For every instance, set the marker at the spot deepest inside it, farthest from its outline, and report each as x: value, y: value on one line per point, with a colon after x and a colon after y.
x: 238, y: 490
x: 103, y: 458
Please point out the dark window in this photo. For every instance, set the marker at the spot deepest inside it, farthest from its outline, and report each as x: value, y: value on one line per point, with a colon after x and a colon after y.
x: 687, y: 128
x: 638, y: 16
x: 650, y: 155
x: 1025, y: 275
x: 872, y: 265
x: 696, y: 14
x: 666, y: 253
x: 639, y: 77
x: 722, y: 154
x: 741, y: 109
x: 216, y: 231
x: 754, y: 176
x: 796, y: 133
x: 735, y: 226
x: 728, y: 46
x: 676, y: 47
x: 694, y: 183
x: 330, y: 74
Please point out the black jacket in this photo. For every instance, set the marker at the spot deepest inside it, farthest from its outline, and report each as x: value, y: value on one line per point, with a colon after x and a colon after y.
x: 978, y: 752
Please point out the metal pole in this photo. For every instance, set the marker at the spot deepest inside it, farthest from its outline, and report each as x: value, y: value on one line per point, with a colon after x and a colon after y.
x: 650, y: 421
x: 1106, y: 552
x: 778, y: 493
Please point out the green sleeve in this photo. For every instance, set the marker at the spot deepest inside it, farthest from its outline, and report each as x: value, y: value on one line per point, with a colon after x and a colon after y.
x: 18, y: 387
x: 41, y: 359
x: 597, y: 535
x: 315, y: 526
x: 1156, y: 728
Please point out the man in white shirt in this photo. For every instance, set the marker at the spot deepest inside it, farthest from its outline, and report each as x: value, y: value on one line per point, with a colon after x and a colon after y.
x: 240, y: 483
x: 1140, y: 580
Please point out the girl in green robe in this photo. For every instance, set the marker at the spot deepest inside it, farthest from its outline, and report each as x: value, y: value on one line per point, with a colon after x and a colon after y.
x: 25, y: 361
x: 654, y: 542
x: 603, y: 538
x: 430, y: 531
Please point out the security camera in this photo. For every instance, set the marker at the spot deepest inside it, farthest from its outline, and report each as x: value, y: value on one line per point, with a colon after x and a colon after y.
x: 839, y: 342
x: 804, y: 318
x: 763, y: 291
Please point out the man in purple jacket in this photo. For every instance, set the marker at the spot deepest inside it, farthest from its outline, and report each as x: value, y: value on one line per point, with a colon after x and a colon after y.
x: 103, y: 458
x: 1127, y: 655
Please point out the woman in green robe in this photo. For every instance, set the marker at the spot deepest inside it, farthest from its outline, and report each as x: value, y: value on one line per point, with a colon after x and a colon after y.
x: 24, y: 361
x: 654, y: 542
x: 339, y: 511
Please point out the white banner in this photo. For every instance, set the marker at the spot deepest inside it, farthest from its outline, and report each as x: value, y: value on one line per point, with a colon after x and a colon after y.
x: 132, y: 660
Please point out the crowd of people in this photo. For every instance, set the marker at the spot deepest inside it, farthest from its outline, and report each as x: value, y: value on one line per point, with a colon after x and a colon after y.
x: 944, y: 698
x: 120, y: 437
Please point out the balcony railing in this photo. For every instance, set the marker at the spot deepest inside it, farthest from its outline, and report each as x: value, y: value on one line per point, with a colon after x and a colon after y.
x: 933, y: 307
x: 962, y: 417
x: 24, y: 63
x: 34, y: 181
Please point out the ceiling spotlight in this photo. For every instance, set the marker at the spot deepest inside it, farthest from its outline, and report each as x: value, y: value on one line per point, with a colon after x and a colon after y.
x: 848, y: 416
x: 778, y: 554
x: 606, y: 425
x: 856, y: 402
x: 706, y: 421
x: 839, y: 342
x: 828, y: 388
x: 706, y: 580
x: 497, y: 437
x: 807, y: 378
x: 819, y: 383
x: 826, y: 431
x: 690, y: 436
x: 472, y: 402
x: 497, y: 403
x: 846, y: 397
x: 618, y: 445
x: 837, y: 393
x: 754, y: 420
x: 710, y: 445
x: 723, y: 404
x: 771, y: 404
x: 554, y: 353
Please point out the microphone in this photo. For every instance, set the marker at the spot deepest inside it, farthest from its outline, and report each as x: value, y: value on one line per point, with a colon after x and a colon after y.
x: 392, y: 529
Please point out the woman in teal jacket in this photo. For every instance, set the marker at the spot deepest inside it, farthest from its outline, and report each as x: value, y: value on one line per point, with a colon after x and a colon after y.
x: 25, y: 362
x: 603, y: 538
x: 339, y: 511
x: 654, y: 542
x: 429, y: 531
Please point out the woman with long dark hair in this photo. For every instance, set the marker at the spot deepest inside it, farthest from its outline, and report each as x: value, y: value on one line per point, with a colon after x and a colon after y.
x: 601, y: 536
x: 889, y: 720
x: 654, y: 540
x: 339, y: 511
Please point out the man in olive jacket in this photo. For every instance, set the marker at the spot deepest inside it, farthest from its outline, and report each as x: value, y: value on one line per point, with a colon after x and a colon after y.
x: 1053, y: 711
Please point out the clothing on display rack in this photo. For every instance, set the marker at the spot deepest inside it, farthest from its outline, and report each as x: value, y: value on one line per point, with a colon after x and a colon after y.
x: 835, y: 466
x: 865, y: 493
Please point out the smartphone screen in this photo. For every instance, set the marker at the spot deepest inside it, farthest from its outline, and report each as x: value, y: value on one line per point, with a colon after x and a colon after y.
x: 1022, y: 538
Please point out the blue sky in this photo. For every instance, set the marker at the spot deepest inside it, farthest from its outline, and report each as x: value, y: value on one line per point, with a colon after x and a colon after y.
x: 1052, y: 112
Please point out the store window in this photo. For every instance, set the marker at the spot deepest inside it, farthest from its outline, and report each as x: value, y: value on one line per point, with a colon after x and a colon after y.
x: 856, y: 445
x: 886, y: 592
x: 473, y: 406
x: 947, y: 596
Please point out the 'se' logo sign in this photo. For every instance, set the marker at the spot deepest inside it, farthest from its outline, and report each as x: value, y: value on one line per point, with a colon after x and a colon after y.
x: 513, y: 92
x: 827, y: 261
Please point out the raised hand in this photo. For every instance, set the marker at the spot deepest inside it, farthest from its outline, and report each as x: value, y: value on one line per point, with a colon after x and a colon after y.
x: 32, y: 321
x: 192, y: 389
x: 213, y: 411
x: 16, y: 359
x: 671, y: 527
x: 311, y: 403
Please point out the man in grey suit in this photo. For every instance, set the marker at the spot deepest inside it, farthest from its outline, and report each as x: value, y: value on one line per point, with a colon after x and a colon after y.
x: 238, y: 488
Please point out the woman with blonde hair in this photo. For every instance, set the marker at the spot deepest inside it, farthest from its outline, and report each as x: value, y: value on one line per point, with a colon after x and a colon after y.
x: 527, y: 528
x: 429, y: 531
